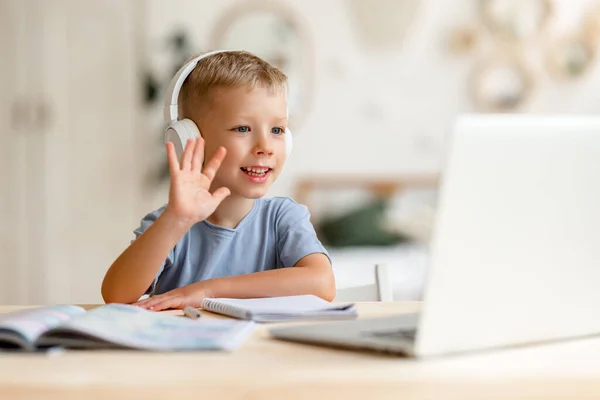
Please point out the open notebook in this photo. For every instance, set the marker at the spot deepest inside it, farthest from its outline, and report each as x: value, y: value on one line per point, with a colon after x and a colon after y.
x: 117, y: 326
x: 272, y: 309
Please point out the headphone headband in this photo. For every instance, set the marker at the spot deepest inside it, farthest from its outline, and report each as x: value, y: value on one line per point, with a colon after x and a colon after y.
x: 171, y: 111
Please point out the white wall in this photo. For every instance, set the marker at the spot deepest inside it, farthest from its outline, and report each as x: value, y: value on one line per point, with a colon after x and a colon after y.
x: 381, y: 112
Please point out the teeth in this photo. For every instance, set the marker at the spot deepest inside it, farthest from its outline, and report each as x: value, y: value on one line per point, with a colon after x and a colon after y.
x: 255, y: 171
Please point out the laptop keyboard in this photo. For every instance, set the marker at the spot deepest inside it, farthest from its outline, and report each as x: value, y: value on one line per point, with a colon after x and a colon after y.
x: 396, y: 334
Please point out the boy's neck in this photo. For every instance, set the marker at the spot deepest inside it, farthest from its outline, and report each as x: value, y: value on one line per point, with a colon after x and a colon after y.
x: 231, y: 211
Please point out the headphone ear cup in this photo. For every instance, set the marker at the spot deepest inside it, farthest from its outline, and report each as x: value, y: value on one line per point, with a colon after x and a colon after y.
x: 289, y: 143
x: 179, y: 132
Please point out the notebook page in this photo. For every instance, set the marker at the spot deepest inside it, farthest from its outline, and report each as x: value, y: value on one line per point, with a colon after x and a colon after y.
x: 281, y: 305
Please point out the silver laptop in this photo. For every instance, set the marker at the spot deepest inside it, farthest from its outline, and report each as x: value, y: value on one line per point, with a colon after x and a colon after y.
x: 515, y: 254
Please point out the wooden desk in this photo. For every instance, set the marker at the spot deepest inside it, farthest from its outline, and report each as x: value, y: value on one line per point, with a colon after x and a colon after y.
x: 267, y: 369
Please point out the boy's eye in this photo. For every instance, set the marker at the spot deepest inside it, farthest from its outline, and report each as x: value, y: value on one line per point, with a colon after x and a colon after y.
x: 277, y: 131
x: 242, y: 129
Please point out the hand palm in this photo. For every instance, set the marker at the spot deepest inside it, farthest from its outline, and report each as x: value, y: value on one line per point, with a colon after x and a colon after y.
x: 189, y: 195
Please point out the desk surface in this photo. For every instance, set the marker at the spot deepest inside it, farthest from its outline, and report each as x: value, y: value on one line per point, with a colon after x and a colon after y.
x: 268, y: 369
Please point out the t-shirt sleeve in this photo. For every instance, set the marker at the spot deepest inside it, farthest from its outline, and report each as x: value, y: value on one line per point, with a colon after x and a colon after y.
x: 145, y: 223
x: 296, y: 234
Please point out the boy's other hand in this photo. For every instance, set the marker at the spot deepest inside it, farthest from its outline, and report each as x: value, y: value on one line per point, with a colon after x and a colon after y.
x: 189, y: 198
x: 190, y: 295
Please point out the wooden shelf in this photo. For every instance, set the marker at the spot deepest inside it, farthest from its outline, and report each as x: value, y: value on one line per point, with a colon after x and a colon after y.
x: 379, y: 186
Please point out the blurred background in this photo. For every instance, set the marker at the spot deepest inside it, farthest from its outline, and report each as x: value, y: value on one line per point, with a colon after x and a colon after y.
x: 375, y: 88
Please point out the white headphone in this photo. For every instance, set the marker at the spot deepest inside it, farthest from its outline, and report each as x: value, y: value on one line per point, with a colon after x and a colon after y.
x: 179, y: 131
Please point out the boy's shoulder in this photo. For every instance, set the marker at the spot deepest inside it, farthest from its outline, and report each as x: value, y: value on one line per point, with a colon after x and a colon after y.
x: 149, y: 219
x: 154, y: 214
x: 283, y: 206
x: 280, y: 203
x: 284, y: 212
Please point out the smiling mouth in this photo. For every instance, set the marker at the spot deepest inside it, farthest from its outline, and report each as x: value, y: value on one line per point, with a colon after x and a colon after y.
x: 256, y: 171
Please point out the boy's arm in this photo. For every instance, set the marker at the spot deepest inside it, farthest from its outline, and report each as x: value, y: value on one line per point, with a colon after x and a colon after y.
x: 133, y: 272
x: 189, y: 202
x: 311, y: 275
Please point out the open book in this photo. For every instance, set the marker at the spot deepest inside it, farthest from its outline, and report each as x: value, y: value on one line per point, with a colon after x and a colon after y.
x: 272, y: 309
x: 117, y: 326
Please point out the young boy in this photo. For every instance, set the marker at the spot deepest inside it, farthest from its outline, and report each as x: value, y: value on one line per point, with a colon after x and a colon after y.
x: 218, y: 236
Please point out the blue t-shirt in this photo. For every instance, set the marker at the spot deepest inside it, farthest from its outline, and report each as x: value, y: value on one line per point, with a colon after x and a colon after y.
x: 276, y: 233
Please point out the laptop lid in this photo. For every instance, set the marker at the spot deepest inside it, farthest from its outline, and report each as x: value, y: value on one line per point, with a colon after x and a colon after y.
x: 516, y: 247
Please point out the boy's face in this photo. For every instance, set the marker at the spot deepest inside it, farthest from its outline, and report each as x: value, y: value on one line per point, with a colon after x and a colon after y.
x: 250, y: 123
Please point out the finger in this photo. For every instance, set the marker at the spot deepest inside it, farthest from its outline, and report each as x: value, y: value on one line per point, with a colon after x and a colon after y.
x: 172, y: 157
x: 142, y: 302
x: 145, y: 305
x: 213, y: 165
x: 198, y: 157
x: 220, y: 194
x: 186, y: 160
x: 171, y: 302
x: 149, y: 302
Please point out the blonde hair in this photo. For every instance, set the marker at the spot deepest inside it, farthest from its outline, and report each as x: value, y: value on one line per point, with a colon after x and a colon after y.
x: 227, y: 69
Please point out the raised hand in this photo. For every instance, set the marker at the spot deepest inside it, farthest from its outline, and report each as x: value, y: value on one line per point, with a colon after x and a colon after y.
x: 189, y: 198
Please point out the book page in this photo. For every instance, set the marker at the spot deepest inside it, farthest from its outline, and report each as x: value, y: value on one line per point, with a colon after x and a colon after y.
x: 281, y: 305
x: 134, y: 327
x: 31, y: 323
